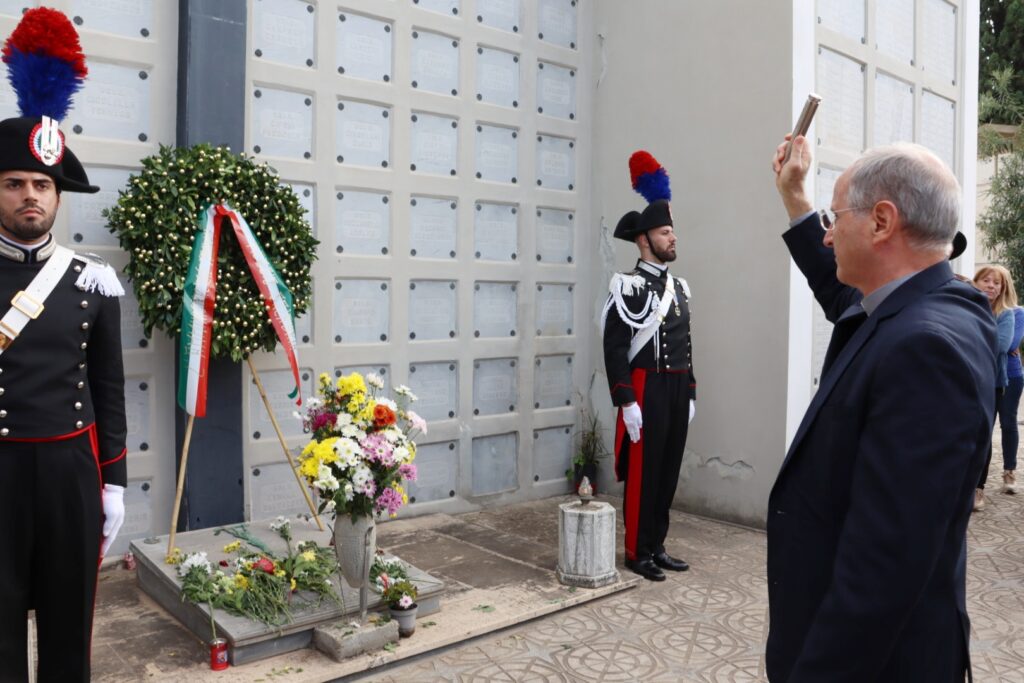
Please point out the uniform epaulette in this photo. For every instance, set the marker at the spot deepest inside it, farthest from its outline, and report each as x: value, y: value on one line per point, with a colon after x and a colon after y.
x: 98, y: 276
x: 626, y: 284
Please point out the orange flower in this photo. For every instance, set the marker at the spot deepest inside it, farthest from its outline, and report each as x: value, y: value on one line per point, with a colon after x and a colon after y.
x: 383, y: 416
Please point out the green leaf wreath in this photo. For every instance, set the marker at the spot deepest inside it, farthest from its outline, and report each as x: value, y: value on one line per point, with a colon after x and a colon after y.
x: 156, y: 218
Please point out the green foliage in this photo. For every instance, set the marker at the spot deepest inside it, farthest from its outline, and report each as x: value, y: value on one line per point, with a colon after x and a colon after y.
x: 1001, y: 103
x: 156, y: 219
x: 1002, y: 48
x: 1003, y: 223
x: 589, y: 448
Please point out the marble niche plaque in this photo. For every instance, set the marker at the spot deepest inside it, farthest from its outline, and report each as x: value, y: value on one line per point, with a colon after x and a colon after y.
x: 938, y: 126
x: 827, y: 177
x: 304, y: 322
x: 437, y: 471
x: 364, y: 47
x: 131, y: 18
x: 552, y: 453
x: 362, y: 310
x: 496, y: 232
x: 307, y: 200
x: 556, y: 162
x: 554, y: 236
x: 894, y: 29
x: 137, y: 412
x: 8, y: 100
x: 435, y: 144
x: 363, y: 134
x: 556, y: 22
x: 938, y: 40
x: 497, y: 157
x: 499, y: 14
x: 495, y: 386
x: 437, y: 387
x: 282, y: 123
x: 494, y: 309
x: 449, y: 7
x: 556, y: 90
x: 273, y: 491
x: 554, y: 309
x: 86, y: 223
x: 840, y: 82
x: 138, y: 515
x: 132, y: 334
x: 433, y: 227
x: 278, y: 384
x: 497, y: 77
x: 552, y: 382
x: 284, y: 31
x: 362, y: 222
x: 114, y: 103
x: 435, y: 62
x: 894, y: 110
x: 433, y: 308
x: 15, y: 8
x: 843, y: 16
x: 495, y: 460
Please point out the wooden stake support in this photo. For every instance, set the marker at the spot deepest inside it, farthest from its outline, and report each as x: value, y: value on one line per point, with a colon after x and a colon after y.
x: 181, y: 483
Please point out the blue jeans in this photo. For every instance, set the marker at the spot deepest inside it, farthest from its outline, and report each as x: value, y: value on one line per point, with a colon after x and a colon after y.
x: 1008, y: 421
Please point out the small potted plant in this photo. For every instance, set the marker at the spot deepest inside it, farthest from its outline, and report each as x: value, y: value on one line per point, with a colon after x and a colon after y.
x: 589, y: 450
x: 401, y: 598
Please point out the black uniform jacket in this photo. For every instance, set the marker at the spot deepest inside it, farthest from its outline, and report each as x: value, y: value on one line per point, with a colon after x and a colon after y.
x: 867, y: 519
x: 674, y: 352
x: 64, y: 372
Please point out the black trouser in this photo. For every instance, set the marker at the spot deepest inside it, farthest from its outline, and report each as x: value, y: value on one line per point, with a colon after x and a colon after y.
x: 1000, y: 392
x: 51, y: 521
x: 650, y: 467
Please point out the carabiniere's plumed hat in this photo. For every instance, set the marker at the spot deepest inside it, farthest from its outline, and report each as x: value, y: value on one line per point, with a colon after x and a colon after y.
x: 46, y: 67
x: 650, y: 179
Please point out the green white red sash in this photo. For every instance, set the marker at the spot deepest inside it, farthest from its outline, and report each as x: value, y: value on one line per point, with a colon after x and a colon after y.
x: 200, y: 295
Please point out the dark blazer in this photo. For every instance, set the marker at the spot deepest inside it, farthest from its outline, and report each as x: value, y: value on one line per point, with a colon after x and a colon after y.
x: 867, y: 519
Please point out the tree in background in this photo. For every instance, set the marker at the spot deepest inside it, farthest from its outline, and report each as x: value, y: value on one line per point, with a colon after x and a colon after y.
x: 1001, y: 62
x: 1003, y: 222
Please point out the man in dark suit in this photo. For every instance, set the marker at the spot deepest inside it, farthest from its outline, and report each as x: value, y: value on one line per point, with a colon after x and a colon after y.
x: 867, y: 519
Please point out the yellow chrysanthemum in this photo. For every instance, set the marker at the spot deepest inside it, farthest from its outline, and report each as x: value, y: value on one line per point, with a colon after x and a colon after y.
x: 279, y: 573
x: 310, y: 467
x: 293, y: 583
x: 351, y: 384
x: 309, y: 448
x: 308, y: 556
x: 233, y: 546
x: 175, y: 557
x: 324, y: 451
x: 241, y: 582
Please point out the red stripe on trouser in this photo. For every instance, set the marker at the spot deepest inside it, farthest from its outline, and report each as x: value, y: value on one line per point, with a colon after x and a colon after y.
x: 94, y: 442
x: 635, y: 475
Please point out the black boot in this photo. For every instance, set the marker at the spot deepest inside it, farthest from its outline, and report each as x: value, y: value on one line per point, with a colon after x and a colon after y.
x: 646, y: 568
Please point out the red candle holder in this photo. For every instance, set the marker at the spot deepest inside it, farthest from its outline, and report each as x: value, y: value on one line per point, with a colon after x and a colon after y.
x: 218, y: 654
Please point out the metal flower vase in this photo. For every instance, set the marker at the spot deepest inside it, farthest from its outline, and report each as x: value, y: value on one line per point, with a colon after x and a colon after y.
x: 355, y: 544
x: 406, y: 619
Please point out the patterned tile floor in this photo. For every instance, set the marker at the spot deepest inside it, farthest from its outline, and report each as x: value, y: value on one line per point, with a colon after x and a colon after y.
x: 709, y: 625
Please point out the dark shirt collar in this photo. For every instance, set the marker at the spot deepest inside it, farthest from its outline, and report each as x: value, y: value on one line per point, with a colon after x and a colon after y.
x: 27, y: 253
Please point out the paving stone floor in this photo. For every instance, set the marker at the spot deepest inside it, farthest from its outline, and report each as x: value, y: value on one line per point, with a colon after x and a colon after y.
x: 709, y: 625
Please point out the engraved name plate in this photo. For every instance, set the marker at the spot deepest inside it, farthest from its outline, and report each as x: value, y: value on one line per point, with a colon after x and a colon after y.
x: 495, y: 386
x: 938, y: 40
x: 894, y: 110
x: 495, y: 464
x: 556, y: 21
x: 552, y: 381
x: 432, y: 310
x: 449, y: 7
x: 552, y: 453
x: 284, y: 31
x: 497, y: 158
x: 363, y: 47
x: 841, y: 83
x: 114, y: 103
x: 497, y: 77
x: 131, y: 18
x: 435, y: 62
x: 843, y: 16
x: 433, y: 224
x: 938, y: 126
x: 437, y: 472
x: 556, y: 90
x: 282, y: 123
x: 363, y: 134
x: 494, y: 309
x: 496, y: 232
x: 554, y: 236
x: 362, y: 310
x: 499, y: 14
x: 894, y: 29
x: 554, y: 309
x: 273, y: 492
x: 278, y: 384
x: 363, y: 222
x: 435, y: 144
x: 437, y: 387
x: 556, y: 162
x: 137, y: 412
x: 86, y: 223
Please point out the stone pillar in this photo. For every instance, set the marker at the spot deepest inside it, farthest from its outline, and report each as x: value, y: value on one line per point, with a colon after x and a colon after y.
x: 586, y: 544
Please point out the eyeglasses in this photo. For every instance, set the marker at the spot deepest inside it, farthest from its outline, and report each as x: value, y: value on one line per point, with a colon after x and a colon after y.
x: 830, y: 217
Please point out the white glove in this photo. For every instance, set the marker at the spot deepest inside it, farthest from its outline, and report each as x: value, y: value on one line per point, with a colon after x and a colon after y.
x: 113, y: 514
x: 634, y: 421
x: 693, y: 410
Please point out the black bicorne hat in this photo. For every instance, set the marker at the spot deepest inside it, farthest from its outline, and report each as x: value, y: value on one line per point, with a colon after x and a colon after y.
x: 650, y: 179
x: 20, y: 140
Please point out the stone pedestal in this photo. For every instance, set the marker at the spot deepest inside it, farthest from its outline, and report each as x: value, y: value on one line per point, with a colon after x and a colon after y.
x: 586, y: 544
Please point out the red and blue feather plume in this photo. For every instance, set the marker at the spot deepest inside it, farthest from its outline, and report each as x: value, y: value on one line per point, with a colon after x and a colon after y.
x: 649, y: 178
x: 45, y: 63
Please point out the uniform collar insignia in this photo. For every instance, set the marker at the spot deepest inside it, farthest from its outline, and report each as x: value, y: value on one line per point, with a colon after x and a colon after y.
x: 27, y: 253
x: 652, y: 269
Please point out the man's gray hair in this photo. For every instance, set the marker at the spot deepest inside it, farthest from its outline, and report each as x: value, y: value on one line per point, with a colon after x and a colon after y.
x: 921, y: 186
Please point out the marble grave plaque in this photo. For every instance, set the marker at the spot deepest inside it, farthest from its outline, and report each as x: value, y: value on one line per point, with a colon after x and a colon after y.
x: 827, y: 177
x: 556, y: 90
x: 86, y: 223
x: 435, y: 144
x: 554, y: 309
x: 132, y: 335
x: 894, y: 110
x: 437, y: 387
x: 552, y: 453
x: 362, y: 310
x: 114, y: 103
x: 137, y: 407
x: 552, y: 381
x: 554, y: 236
x: 496, y: 232
x: 433, y: 310
x: 843, y: 16
x: 894, y: 29
x: 435, y: 62
x: 363, y: 222
x: 278, y: 384
x: 363, y: 134
x: 304, y: 322
x: 437, y: 472
x: 938, y: 40
x: 494, y: 309
x: 15, y: 8
x: 497, y: 157
x: 284, y: 31
x: 494, y: 466
x: 363, y: 47
x: 273, y: 491
x: 556, y: 162
x: 495, y: 386
x: 433, y: 227
x: 938, y: 126
x: 556, y: 22
x: 138, y: 515
x: 499, y: 14
x: 841, y: 84
x: 449, y: 7
x: 130, y: 18
x: 282, y: 123
x: 497, y: 77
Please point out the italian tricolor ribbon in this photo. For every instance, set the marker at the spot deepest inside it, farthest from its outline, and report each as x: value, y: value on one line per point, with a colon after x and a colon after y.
x: 200, y: 297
